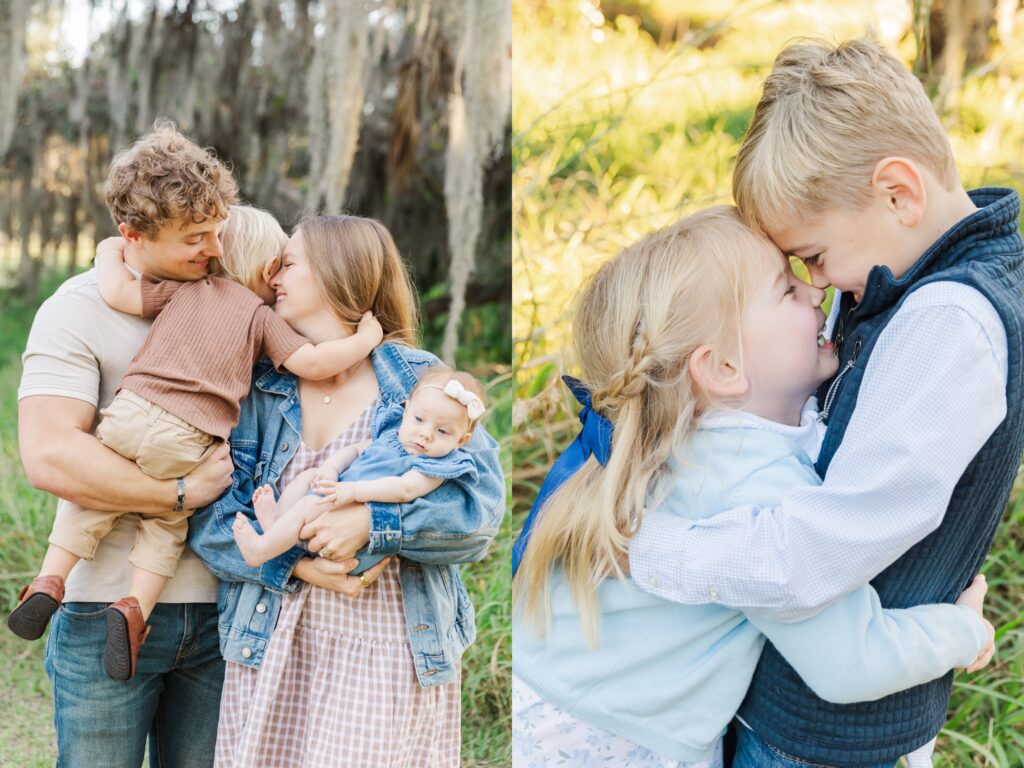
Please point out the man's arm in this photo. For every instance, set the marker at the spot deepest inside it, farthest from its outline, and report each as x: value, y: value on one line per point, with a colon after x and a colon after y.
x: 62, y: 457
x: 933, y: 393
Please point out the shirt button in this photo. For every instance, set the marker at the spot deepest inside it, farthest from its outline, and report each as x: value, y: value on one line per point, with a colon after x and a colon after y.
x: 713, y: 594
x: 261, y: 608
x: 284, y: 446
x: 652, y: 582
x: 246, y: 653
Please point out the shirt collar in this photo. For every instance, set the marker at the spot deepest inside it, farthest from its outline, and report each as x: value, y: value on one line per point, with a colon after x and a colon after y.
x: 807, y: 436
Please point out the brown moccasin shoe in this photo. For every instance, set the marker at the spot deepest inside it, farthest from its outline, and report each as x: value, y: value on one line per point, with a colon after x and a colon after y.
x: 37, y: 602
x: 126, y: 632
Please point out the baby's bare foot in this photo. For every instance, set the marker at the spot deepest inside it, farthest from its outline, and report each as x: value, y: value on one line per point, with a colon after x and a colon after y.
x: 248, y: 540
x: 265, y: 506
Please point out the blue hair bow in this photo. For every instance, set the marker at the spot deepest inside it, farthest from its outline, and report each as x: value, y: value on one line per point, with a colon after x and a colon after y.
x: 594, y: 439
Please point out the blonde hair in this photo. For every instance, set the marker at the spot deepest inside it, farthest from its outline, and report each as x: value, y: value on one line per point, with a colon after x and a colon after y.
x: 250, y: 238
x: 163, y: 178
x: 439, y: 375
x: 637, y: 322
x: 827, y: 116
x: 356, y: 264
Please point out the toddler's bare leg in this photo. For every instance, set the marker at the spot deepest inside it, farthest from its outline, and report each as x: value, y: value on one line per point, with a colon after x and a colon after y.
x: 146, y: 588
x: 58, y: 562
x: 280, y: 537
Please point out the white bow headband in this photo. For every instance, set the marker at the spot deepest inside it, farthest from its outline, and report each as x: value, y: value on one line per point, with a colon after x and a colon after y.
x: 455, y: 390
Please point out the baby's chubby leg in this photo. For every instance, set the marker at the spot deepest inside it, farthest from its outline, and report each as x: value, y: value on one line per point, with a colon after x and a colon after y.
x: 281, y: 536
x: 267, y: 510
x: 296, y: 489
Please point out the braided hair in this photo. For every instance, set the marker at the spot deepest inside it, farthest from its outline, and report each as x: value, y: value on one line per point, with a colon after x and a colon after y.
x: 637, y: 322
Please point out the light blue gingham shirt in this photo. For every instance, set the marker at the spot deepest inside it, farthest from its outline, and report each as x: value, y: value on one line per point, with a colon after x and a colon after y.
x: 933, y: 392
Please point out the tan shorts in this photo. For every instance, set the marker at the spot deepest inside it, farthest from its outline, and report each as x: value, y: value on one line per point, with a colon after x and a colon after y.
x: 164, y: 447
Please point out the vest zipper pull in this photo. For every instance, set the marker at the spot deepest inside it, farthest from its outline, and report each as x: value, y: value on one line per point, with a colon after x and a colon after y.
x: 831, y: 394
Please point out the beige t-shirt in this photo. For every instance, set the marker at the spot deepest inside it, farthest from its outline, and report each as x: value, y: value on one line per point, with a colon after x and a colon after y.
x: 80, y: 348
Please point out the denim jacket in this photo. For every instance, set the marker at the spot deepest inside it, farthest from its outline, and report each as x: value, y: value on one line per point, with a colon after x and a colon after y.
x: 453, y: 524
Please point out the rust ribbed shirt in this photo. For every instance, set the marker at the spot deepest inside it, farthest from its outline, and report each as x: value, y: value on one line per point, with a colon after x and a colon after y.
x: 197, y: 360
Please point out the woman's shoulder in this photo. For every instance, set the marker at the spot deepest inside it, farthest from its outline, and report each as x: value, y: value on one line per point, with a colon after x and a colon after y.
x: 416, y: 358
x: 399, y: 368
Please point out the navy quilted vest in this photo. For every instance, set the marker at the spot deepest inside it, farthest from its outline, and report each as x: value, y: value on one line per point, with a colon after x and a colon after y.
x: 984, y: 251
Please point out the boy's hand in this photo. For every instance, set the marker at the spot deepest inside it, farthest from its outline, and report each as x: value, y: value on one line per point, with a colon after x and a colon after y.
x: 974, y: 598
x: 370, y: 329
x: 112, y: 245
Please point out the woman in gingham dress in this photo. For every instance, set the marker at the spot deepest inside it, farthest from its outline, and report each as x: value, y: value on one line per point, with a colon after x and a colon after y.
x: 358, y: 670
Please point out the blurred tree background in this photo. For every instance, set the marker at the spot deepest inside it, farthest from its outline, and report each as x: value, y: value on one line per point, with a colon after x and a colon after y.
x: 395, y: 109
x: 628, y: 114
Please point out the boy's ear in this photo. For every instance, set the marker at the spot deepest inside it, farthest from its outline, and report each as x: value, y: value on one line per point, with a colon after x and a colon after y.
x: 898, y: 185
x: 721, y: 378
x: 128, y: 233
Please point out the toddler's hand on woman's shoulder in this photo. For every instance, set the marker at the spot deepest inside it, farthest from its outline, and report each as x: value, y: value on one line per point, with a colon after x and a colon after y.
x: 370, y: 327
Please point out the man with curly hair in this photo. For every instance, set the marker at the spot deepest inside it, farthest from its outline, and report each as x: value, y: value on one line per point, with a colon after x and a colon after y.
x: 168, y: 198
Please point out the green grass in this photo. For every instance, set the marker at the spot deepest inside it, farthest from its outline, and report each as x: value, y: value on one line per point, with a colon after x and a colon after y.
x: 26, y: 716
x: 26, y: 713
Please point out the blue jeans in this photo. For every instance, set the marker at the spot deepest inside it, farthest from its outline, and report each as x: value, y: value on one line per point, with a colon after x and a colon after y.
x: 754, y: 752
x: 173, y: 699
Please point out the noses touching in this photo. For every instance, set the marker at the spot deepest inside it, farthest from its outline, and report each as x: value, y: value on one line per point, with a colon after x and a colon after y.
x: 818, y: 280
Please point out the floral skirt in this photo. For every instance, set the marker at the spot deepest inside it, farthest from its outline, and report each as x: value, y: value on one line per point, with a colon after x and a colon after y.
x: 543, y: 736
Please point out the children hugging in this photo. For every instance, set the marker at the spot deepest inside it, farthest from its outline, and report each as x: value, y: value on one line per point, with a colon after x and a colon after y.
x: 785, y: 513
x: 170, y: 394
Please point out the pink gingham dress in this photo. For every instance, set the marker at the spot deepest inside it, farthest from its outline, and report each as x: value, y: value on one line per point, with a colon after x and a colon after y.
x: 337, y: 686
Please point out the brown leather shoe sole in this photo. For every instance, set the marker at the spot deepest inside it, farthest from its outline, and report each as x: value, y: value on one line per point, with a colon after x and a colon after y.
x: 31, y: 617
x: 118, y: 661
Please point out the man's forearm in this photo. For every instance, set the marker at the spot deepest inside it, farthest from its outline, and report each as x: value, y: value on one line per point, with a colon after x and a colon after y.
x: 79, y: 468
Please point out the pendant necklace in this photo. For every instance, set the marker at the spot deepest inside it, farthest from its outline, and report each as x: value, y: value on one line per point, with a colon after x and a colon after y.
x: 327, y: 394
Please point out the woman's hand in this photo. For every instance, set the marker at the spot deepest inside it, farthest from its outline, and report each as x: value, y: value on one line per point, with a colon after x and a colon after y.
x: 339, y: 532
x: 332, y: 575
x: 974, y: 598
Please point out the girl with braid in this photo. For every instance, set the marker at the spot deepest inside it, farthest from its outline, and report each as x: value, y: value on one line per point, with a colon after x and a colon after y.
x: 699, y: 349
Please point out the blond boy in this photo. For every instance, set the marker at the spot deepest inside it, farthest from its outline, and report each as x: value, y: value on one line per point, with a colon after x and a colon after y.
x: 846, y: 167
